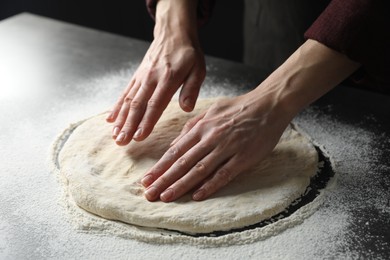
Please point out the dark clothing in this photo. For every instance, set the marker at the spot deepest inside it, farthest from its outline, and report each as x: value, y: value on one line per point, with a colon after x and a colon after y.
x: 360, y: 29
x: 356, y: 28
x: 274, y: 29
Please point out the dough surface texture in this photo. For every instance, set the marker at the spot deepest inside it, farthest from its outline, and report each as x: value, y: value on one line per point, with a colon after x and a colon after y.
x: 104, y: 179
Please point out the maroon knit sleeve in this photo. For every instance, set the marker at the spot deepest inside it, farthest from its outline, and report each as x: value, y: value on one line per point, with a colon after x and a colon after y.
x: 359, y: 29
x: 205, y: 9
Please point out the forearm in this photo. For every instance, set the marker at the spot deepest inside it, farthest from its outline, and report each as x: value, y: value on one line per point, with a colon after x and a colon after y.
x: 308, y: 74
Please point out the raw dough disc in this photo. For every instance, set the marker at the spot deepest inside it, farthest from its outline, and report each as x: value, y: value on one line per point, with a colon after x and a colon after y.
x: 104, y: 178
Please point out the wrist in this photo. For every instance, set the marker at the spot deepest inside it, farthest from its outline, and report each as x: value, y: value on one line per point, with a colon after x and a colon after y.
x: 308, y: 74
x: 177, y: 19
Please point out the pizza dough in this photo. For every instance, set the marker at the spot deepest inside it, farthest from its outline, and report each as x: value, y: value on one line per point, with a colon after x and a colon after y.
x: 104, y: 178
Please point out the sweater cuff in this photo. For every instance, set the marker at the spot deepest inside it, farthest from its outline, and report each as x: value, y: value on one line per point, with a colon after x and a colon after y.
x: 343, y: 26
x: 358, y: 29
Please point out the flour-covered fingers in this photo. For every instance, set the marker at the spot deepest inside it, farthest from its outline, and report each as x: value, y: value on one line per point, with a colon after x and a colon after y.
x: 219, y: 179
x: 118, y: 105
x: 187, y: 127
x: 201, y: 170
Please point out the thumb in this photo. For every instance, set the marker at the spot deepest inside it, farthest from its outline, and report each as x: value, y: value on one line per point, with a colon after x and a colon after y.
x: 190, y: 90
x: 187, y: 127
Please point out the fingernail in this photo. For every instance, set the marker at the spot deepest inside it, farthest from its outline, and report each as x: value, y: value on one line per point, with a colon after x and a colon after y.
x: 115, y: 132
x: 147, y: 180
x: 199, y: 195
x: 188, y: 102
x: 120, y: 137
x: 167, y: 195
x: 137, y: 133
x: 151, y: 193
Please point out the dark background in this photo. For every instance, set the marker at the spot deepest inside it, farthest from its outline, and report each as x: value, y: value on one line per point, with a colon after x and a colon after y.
x: 221, y: 37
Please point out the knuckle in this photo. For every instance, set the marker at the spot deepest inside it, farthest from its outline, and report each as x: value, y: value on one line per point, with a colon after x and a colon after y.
x: 136, y: 104
x: 155, y: 171
x: 182, y: 162
x: 224, y: 175
x: 200, y: 168
x: 173, y: 151
x: 223, y: 172
x: 127, y: 99
x: 152, y: 103
x: 122, y: 97
x: 204, y: 146
x: 150, y: 73
x: 215, y: 133
x: 202, y: 124
x: 229, y: 124
x: 170, y: 73
x: 188, y: 124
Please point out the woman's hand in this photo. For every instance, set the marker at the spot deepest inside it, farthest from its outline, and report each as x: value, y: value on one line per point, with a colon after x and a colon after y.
x: 214, y: 147
x: 174, y: 59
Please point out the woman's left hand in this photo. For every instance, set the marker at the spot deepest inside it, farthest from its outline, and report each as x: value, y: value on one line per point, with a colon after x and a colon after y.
x: 215, y: 147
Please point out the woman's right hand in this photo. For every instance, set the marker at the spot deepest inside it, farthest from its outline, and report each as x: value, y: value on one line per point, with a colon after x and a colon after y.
x: 174, y: 59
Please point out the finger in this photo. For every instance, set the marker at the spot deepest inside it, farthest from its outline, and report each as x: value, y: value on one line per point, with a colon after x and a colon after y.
x: 190, y: 90
x: 223, y: 176
x: 155, y: 107
x: 199, y: 172
x: 187, y: 127
x: 191, y: 161
x: 137, y: 109
x: 124, y: 110
x: 174, y: 169
x: 169, y: 158
x: 117, y: 107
